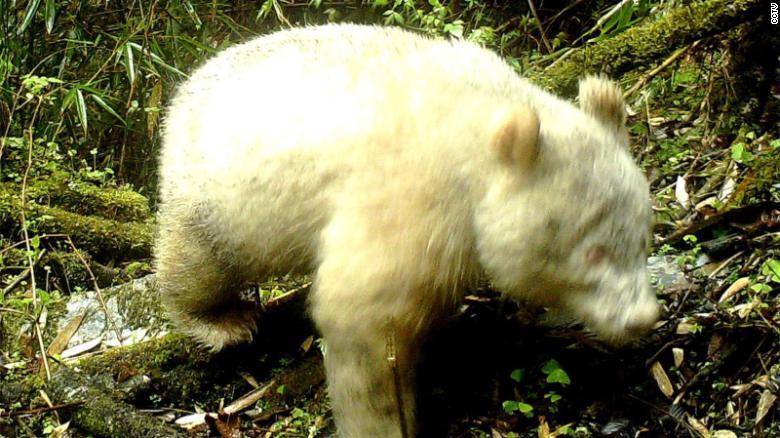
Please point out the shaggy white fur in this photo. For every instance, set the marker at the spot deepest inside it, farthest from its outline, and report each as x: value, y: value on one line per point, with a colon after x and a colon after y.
x: 398, y: 169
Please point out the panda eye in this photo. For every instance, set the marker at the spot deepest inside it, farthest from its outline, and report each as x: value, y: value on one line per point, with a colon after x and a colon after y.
x: 596, y: 255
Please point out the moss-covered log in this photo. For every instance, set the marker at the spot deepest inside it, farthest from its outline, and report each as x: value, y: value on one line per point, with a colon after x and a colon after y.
x: 104, y: 239
x: 648, y: 42
x: 59, y: 189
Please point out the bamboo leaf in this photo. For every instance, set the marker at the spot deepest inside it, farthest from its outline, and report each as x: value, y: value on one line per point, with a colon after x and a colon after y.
x: 196, y: 44
x: 264, y: 10
x: 81, y: 109
x: 102, y: 103
x: 625, y: 15
x: 153, y: 104
x: 29, y: 13
x: 129, y: 62
x: 192, y: 13
x: 67, y: 100
x: 50, y: 14
x: 156, y: 59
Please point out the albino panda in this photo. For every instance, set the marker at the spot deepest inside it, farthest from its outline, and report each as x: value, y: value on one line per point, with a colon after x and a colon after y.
x: 398, y: 169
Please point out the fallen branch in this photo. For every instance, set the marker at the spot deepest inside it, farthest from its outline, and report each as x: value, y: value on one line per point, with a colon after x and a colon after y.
x: 287, y: 297
x: 748, y: 219
x: 109, y: 320
x: 667, y: 62
x: 42, y: 410
x: 546, y: 42
x: 19, y: 278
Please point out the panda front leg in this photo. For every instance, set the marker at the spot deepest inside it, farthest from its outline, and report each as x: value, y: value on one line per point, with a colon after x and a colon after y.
x: 372, y: 313
x: 370, y: 380
x: 200, y: 285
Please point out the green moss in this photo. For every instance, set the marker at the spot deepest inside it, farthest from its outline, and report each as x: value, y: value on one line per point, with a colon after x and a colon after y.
x: 103, y: 413
x: 148, y: 357
x: 180, y: 369
x: 84, y: 198
x: 646, y: 43
x: 102, y: 238
x: 137, y: 269
x: 106, y: 417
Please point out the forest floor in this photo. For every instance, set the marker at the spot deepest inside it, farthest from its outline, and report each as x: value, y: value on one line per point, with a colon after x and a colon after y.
x: 710, y: 368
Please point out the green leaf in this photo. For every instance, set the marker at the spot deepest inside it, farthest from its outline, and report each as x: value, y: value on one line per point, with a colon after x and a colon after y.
x: 773, y: 266
x: 454, y: 29
x: 67, y: 100
x: 156, y: 59
x: 737, y: 149
x: 525, y: 408
x: 35, y: 242
x: 129, y: 62
x: 625, y: 14
x: 81, y: 109
x: 517, y: 375
x: 559, y: 376
x: 761, y: 288
x: 510, y: 406
x: 29, y: 13
x: 197, y: 44
x: 192, y: 13
x: 550, y: 366
x: 690, y: 239
x: 555, y: 374
x: 50, y: 13
x: 265, y: 10
x: 393, y: 17
x: 102, y: 103
x: 610, y: 23
x: 740, y: 154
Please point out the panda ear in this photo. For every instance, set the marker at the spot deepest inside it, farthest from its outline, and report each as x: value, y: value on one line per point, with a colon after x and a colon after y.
x: 516, y: 137
x: 602, y: 99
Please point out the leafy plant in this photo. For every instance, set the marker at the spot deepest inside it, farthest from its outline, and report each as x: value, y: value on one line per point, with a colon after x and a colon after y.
x: 555, y: 374
x: 771, y: 269
x: 511, y: 407
x: 740, y: 154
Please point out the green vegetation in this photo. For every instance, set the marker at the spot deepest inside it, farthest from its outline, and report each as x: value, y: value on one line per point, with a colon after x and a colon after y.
x: 540, y: 393
x: 83, y: 85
